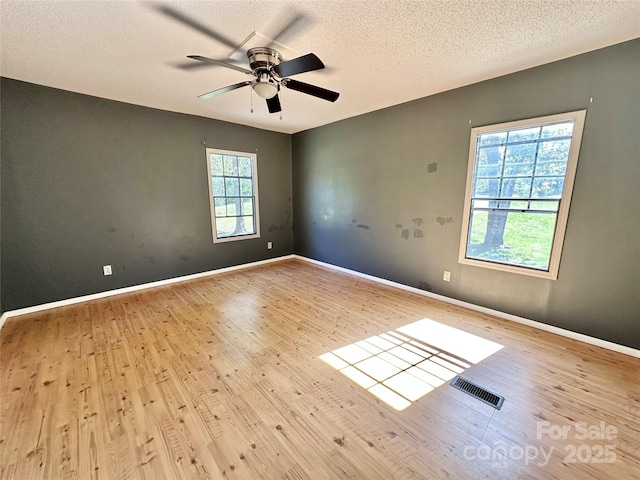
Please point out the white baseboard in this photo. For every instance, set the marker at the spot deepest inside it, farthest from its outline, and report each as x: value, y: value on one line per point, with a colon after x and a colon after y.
x: 135, y: 288
x: 496, y: 313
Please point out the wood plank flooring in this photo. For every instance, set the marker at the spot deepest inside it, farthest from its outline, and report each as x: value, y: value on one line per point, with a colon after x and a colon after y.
x: 220, y: 378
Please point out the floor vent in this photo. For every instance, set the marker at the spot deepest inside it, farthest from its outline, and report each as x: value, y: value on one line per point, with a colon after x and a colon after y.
x: 478, y: 392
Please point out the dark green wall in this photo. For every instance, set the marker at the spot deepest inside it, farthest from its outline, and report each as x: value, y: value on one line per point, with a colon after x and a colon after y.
x: 88, y: 182
x: 359, y: 183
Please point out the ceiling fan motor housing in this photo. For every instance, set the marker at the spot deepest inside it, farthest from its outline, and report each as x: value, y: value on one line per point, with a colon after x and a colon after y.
x: 263, y: 59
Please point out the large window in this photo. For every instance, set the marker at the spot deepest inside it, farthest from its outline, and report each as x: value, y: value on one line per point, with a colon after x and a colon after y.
x: 233, y: 188
x: 519, y: 185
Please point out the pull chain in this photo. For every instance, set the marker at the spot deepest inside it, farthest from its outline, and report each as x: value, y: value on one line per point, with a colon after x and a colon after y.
x: 251, y: 96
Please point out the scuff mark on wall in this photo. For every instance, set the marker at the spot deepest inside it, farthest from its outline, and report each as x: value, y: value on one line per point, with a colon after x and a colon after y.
x: 363, y: 226
x: 442, y: 220
x: 417, y: 232
x: 432, y: 167
x: 424, y: 286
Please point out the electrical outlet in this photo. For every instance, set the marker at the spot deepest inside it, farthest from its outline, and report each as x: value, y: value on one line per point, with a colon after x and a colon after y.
x: 269, y: 245
x: 447, y: 276
x: 106, y: 269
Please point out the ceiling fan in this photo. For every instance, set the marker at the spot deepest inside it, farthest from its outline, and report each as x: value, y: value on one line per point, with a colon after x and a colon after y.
x: 266, y: 64
x: 271, y: 73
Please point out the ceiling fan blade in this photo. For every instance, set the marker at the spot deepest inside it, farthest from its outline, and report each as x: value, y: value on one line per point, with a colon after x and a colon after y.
x: 273, y: 104
x: 306, y: 63
x: 222, y: 90
x: 211, y: 61
x: 319, y: 92
x: 182, y: 18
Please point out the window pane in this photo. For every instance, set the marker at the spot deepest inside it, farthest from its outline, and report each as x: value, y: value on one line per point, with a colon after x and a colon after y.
x: 246, y: 187
x: 249, y: 226
x: 492, y: 138
x: 551, y: 206
x: 233, y: 206
x: 490, y: 156
x: 230, y: 165
x: 523, y: 205
x: 548, y: 187
x: 232, y: 226
x: 244, y: 167
x: 553, y: 157
x: 516, y: 188
x: 564, y: 129
x: 225, y: 227
x: 221, y: 207
x: 247, y: 206
x: 216, y: 164
x: 492, y: 171
x: 232, y: 188
x: 524, y: 134
x: 551, y: 168
x: 519, y: 159
x: 481, y: 203
x: 522, y: 239
x: 486, y: 188
x: 218, y: 186
x: 518, y: 170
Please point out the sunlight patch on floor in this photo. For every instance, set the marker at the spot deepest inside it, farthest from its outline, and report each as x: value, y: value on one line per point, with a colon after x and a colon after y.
x: 403, y: 365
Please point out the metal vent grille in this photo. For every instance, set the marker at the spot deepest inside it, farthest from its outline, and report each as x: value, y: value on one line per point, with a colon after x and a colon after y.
x: 478, y: 392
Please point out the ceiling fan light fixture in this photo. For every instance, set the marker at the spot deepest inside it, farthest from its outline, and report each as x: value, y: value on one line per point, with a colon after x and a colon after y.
x: 265, y: 89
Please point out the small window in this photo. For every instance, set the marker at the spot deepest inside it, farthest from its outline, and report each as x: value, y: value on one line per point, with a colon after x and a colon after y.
x: 519, y: 185
x: 233, y: 195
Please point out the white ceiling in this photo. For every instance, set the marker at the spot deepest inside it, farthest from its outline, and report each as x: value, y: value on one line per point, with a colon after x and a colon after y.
x: 378, y: 53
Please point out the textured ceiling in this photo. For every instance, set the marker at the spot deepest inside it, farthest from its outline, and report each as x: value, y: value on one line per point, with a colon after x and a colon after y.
x: 378, y: 53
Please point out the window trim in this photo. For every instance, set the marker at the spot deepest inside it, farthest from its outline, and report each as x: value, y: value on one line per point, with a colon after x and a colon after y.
x: 578, y: 119
x: 254, y: 180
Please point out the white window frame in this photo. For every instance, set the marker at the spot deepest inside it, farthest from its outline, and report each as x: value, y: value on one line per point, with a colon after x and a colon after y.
x: 578, y: 118
x: 254, y: 180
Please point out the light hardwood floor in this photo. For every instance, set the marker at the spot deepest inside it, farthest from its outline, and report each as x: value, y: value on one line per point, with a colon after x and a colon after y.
x: 221, y: 378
